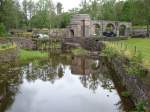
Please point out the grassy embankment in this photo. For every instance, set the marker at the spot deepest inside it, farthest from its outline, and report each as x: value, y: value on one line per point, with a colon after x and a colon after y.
x: 139, y: 56
x: 139, y: 27
x: 26, y: 55
x: 133, y: 47
x: 4, y: 47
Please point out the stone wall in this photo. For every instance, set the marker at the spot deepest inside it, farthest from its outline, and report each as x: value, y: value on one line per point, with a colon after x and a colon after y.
x: 81, y: 26
x: 139, y: 32
x: 136, y: 87
x: 8, y: 55
x: 23, y: 42
x: 91, y: 44
x: 61, y: 33
x: 4, y: 40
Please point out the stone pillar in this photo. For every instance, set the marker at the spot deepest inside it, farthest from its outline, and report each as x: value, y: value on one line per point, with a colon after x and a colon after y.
x: 117, y: 29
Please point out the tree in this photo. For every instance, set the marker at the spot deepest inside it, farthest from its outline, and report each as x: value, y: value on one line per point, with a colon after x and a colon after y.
x: 2, y: 30
x: 44, y: 14
x: 59, y: 8
x: 10, y: 13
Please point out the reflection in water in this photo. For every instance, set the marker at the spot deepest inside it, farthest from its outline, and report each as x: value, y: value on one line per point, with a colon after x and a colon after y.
x: 60, y: 84
x: 9, y: 86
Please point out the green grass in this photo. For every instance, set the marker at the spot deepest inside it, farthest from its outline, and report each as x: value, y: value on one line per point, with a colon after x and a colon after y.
x: 142, y: 46
x: 4, y: 47
x: 79, y: 51
x: 26, y: 55
x: 138, y: 26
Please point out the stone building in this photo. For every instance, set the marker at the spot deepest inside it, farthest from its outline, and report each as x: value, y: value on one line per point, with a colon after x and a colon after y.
x: 81, y: 25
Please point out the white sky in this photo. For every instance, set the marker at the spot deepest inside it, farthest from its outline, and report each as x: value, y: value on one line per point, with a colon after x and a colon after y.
x: 68, y: 4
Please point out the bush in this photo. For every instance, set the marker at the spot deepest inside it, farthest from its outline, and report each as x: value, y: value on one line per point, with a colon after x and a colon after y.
x: 125, y: 94
x: 110, y: 52
x: 2, y: 30
x: 140, y: 106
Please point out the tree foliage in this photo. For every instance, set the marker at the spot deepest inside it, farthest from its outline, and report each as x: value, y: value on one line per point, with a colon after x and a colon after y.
x: 44, y: 14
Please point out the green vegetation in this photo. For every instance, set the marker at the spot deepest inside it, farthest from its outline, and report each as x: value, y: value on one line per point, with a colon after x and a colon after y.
x: 4, y: 47
x: 140, y: 26
x: 79, y: 51
x: 125, y: 94
x: 142, y: 47
x: 140, y: 106
x: 2, y: 30
x: 44, y: 14
x: 26, y: 55
x: 136, y: 60
x: 94, y: 66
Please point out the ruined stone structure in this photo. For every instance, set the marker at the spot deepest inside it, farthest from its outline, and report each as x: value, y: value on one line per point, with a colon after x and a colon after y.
x: 81, y: 25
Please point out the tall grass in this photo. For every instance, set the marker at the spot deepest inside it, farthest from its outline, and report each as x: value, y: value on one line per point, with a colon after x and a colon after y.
x: 142, y: 46
x: 4, y: 47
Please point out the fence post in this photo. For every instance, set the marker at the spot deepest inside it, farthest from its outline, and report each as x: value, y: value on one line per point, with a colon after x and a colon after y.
x: 135, y: 49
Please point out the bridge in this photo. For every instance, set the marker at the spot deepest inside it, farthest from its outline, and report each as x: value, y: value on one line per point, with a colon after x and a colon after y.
x: 81, y: 25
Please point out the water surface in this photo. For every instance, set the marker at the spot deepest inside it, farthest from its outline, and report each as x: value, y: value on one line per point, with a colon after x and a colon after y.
x: 62, y: 83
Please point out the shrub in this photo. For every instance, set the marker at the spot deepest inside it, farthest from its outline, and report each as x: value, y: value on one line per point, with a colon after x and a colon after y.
x: 94, y: 66
x: 140, y: 107
x: 125, y: 94
x: 2, y: 30
x: 110, y: 52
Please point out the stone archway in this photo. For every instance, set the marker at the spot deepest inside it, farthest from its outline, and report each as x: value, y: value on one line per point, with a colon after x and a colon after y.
x: 97, y: 28
x: 72, y: 33
x: 110, y: 28
x: 122, y: 30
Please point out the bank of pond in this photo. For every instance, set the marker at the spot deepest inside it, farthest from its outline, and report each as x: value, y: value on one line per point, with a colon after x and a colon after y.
x: 80, y: 82
x: 113, y: 81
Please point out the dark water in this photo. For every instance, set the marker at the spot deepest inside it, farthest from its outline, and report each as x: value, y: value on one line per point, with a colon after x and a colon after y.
x: 63, y: 83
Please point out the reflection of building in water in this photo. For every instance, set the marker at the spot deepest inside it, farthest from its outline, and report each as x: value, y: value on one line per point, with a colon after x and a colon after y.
x: 81, y: 66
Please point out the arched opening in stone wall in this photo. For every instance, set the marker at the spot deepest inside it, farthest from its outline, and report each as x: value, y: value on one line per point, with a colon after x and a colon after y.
x: 72, y: 33
x: 110, y: 27
x: 109, y: 30
x: 97, y: 29
x: 122, y: 30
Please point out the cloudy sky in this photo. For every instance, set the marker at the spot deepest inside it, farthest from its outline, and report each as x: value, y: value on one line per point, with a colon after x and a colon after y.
x: 68, y: 4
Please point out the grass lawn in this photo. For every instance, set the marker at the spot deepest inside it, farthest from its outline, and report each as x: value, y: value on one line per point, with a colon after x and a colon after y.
x: 142, y: 45
x: 26, y: 55
x: 143, y: 26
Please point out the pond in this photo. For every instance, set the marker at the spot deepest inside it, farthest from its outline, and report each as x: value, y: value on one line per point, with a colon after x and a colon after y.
x: 61, y: 83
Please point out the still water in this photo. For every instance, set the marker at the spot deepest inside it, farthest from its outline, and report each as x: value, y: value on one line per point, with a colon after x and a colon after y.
x: 62, y: 83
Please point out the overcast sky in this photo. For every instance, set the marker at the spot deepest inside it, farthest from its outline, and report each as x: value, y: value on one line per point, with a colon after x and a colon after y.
x: 68, y: 4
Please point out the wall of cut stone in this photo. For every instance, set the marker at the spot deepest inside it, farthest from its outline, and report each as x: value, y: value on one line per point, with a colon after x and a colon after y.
x: 83, y: 26
x: 58, y: 33
x: 139, y: 90
x: 139, y: 32
x: 8, y: 55
x: 23, y: 42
